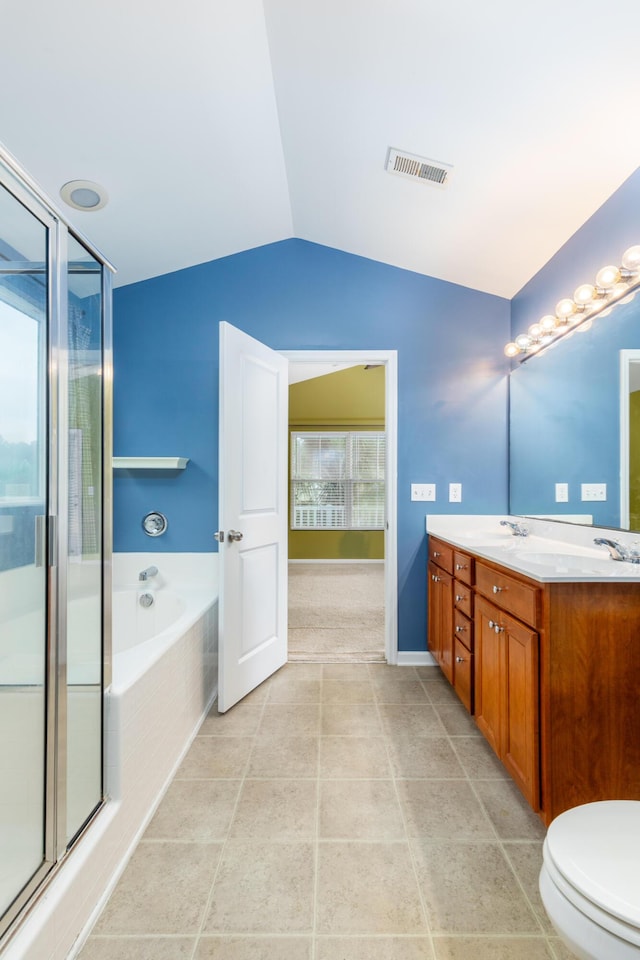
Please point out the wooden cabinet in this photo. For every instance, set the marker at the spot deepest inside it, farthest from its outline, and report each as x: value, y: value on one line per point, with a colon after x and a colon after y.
x: 450, y: 627
x: 554, y: 668
x: 507, y: 709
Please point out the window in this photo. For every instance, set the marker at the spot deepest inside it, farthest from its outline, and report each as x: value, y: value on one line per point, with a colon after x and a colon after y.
x: 337, y: 480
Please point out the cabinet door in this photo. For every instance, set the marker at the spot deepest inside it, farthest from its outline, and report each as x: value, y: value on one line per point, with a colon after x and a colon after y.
x: 463, y: 674
x: 520, y: 751
x: 441, y: 618
x: 489, y: 674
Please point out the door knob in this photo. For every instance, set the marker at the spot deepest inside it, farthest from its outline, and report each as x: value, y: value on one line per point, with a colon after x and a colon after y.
x: 459, y: 659
x: 234, y: 535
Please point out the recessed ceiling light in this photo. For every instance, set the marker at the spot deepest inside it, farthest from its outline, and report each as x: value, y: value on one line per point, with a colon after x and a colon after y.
x: 84, y: 195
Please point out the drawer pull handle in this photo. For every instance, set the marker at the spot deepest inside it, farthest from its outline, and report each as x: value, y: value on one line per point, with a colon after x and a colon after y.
x: 497, y: 589
x: 460, y: 659
x: 491, y: 624
x: 498, y: 629
x: 434, y: 578
x: 460, y: 629
x: 460, y: 596
x: 436, y: 554
x: 461, y: 566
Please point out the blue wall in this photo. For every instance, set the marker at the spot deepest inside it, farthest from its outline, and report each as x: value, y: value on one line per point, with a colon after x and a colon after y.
x: 452, y: 399
x: 565, y: 403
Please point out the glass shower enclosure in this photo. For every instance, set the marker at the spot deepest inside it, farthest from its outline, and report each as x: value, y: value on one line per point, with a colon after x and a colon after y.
x: 55, y: 536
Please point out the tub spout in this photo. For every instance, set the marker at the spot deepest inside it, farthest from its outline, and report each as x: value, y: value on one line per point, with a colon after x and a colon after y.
x: 147, y: 573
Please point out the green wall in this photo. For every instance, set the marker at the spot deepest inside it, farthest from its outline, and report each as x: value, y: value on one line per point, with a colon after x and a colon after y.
x: 351, y: 399
x: 634, y: 460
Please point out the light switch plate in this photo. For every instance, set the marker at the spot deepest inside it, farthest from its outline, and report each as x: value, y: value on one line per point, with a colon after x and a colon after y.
x: 423, y: 491
x: 562, y: 492
x: 593, y: 491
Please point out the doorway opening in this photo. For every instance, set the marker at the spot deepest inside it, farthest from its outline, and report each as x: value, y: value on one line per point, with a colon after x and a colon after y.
x: 342, y: 524
x: 630, y: 439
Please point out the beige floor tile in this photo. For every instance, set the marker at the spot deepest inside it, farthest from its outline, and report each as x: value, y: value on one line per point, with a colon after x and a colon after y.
x: 254, y: 948
x: 240, y: 721
x: 402, y: 720
x: 345, y: 671
x: 478, y: 759
x: 443, y: 809
x: 367, y: 889
x: 288, y: 757
x: 379, y: 670
x: 374, y: 948
x: 560, y: 950
x: 431, y: 673
x: 276, y: 810
x: 347, y: 691
x: 291, y: 689
x: 456, y: 720
x: 163, y: 890
x: 344, y: 758
x: 469, y: 888
x: 350, y: 719
x: 492, y: 948
x: 360, y: 810
x: 213, y: 758
x: 300, y: 671
x: 137, y: 948
x: 526, y: 860
x: 441, y: 693
x: 263, y: 888
x: 424, y: 758
x: 399, y: 691
x: 195, y: 810
x: 290, y: 720
x: 509, y: 812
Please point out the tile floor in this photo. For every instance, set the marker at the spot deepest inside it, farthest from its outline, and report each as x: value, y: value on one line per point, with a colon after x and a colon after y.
x: 340, y: 812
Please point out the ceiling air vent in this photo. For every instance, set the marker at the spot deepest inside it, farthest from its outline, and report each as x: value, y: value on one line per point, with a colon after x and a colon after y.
x: 418, y: 168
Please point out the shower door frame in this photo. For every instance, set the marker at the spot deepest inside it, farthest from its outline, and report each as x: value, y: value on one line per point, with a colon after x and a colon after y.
x: 56, y: 490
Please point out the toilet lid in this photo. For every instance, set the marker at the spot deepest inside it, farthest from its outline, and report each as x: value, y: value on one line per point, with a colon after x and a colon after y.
x: 596, y: 848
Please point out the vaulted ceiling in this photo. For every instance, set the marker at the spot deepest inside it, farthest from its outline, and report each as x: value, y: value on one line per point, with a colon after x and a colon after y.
x: 220, y: 125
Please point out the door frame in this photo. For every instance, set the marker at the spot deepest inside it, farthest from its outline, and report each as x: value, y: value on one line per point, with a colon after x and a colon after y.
x: 388, y: 359
x: 627, y: 357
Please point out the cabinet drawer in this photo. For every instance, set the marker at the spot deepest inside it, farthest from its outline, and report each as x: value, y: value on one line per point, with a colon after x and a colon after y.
x: 463, y: 567
x: 520, y: 599
x: 463, y: 598
x: 463, y: 675
x: 463, y: 629
x: 441, y: 553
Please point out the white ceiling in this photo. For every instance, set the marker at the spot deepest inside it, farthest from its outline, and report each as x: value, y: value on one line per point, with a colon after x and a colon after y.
x: 220, y: 126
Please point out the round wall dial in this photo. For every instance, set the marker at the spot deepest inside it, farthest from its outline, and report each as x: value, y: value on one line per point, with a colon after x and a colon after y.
x: 154, y: 524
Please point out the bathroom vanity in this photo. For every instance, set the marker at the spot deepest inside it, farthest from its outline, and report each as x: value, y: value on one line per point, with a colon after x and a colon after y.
x: 540, y: 639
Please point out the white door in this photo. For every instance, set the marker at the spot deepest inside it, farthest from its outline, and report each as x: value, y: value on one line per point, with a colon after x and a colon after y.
x: 252, y: 509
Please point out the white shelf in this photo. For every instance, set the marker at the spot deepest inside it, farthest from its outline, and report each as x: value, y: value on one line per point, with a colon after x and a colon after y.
x: 150, y: 463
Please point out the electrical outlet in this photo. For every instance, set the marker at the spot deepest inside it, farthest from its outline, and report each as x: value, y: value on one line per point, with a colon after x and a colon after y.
x: 423, y: 491
x: 562, y: 492
x: 593, y: 491
x: 455, y: 493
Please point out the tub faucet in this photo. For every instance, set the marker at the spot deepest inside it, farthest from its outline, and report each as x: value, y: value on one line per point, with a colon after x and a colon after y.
x: 617, y: 551
x: 147, y: 573
x: 517, y: 529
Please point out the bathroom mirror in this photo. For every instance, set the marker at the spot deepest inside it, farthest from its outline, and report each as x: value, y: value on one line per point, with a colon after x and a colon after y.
x: 564, y: 422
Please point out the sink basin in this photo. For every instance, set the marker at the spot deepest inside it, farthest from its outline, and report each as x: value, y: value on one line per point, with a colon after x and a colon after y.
x: 560, y: 562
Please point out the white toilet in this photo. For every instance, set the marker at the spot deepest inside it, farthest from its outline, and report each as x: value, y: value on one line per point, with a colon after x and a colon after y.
x: 590, y: 879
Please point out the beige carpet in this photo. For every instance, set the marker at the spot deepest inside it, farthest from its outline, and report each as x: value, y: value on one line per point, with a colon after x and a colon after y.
x: 336, y: 611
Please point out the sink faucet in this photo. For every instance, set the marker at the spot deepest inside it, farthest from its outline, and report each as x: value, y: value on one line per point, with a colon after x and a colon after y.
x: 617, y: 551
x: 517, y: 529
x: 148, y: 572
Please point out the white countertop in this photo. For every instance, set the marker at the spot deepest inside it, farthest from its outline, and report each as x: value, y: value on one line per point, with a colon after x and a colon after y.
x: 552, y: 552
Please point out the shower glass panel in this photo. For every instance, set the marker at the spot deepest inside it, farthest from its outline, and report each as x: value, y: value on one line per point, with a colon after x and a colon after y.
x: 84, y: 567
x: 23, y: 562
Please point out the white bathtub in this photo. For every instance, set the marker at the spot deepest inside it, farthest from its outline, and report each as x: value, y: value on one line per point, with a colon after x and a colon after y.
x: 164, y: 679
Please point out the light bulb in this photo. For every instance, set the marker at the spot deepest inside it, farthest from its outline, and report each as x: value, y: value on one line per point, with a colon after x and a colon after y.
x: 564, y: 309
x: 535, y: 331
x: 523, y: 341
x: 607, y: 277
x: 585, y: 293
x: 619, y: 289
x: 631, y: 259
x: 511, y: 350
x: 548, y: 323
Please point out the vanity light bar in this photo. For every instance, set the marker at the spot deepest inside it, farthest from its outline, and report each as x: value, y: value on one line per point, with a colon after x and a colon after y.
x: 612, y: 284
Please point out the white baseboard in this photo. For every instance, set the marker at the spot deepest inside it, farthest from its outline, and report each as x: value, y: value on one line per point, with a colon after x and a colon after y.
x: 336, y: 561
x: 416, y: 658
